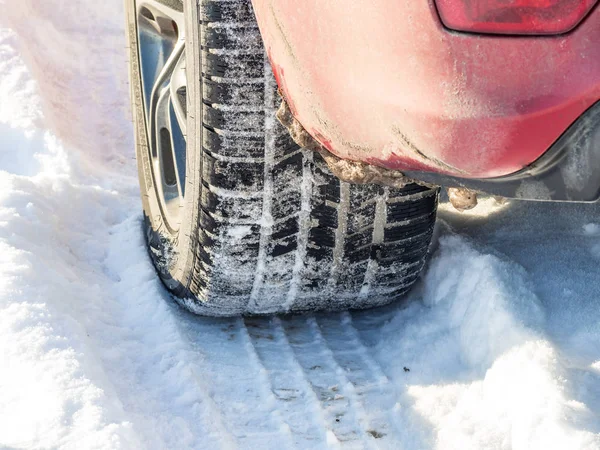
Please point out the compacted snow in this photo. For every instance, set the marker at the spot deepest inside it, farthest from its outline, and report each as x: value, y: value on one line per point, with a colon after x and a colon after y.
x: 497, y: 347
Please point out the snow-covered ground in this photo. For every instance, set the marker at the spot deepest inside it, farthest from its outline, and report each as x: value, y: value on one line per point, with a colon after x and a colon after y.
x: 498, y: 347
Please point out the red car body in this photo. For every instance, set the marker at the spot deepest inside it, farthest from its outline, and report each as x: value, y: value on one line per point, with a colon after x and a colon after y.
x: 385, y: 82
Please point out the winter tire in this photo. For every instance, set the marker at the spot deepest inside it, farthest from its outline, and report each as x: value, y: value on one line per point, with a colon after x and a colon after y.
x: 238, y: 218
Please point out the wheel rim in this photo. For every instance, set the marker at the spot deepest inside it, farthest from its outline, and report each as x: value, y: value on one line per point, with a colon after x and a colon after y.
x: 161, y: 41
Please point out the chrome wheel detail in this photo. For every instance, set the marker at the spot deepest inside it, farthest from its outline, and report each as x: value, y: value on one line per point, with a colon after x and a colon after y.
x: 161, y: 41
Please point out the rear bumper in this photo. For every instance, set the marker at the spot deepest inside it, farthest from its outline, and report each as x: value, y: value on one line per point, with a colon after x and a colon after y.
x: 409, y: 95
x: 568, y: 171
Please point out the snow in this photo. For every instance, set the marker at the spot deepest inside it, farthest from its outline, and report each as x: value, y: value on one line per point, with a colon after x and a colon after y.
x: 507, y: 386
x: 497, y: 347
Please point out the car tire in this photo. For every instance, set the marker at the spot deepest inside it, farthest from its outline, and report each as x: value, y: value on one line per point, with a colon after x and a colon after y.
x: 260, y: 225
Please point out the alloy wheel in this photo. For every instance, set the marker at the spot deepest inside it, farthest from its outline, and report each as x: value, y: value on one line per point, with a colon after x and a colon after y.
x: 161, y: 40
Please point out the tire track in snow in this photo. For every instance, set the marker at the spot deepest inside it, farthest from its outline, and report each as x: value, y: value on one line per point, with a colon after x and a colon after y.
x: 295, y: 382
x: 264, y: 381
x: 238, y: 383
x: 346, y: 417
x: 296, y: 399
x: 373, y: 387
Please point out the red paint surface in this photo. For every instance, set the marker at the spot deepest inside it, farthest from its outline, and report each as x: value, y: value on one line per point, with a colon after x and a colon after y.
x: 382, y: 81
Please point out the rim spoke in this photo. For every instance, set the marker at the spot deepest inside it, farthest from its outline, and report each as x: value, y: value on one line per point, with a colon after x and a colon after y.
x: 162, y: 81
x: 178, y: 147
x: 161, y: 13
x: 165, y: 143
x: 166, y: 161
x: 178, y: 93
